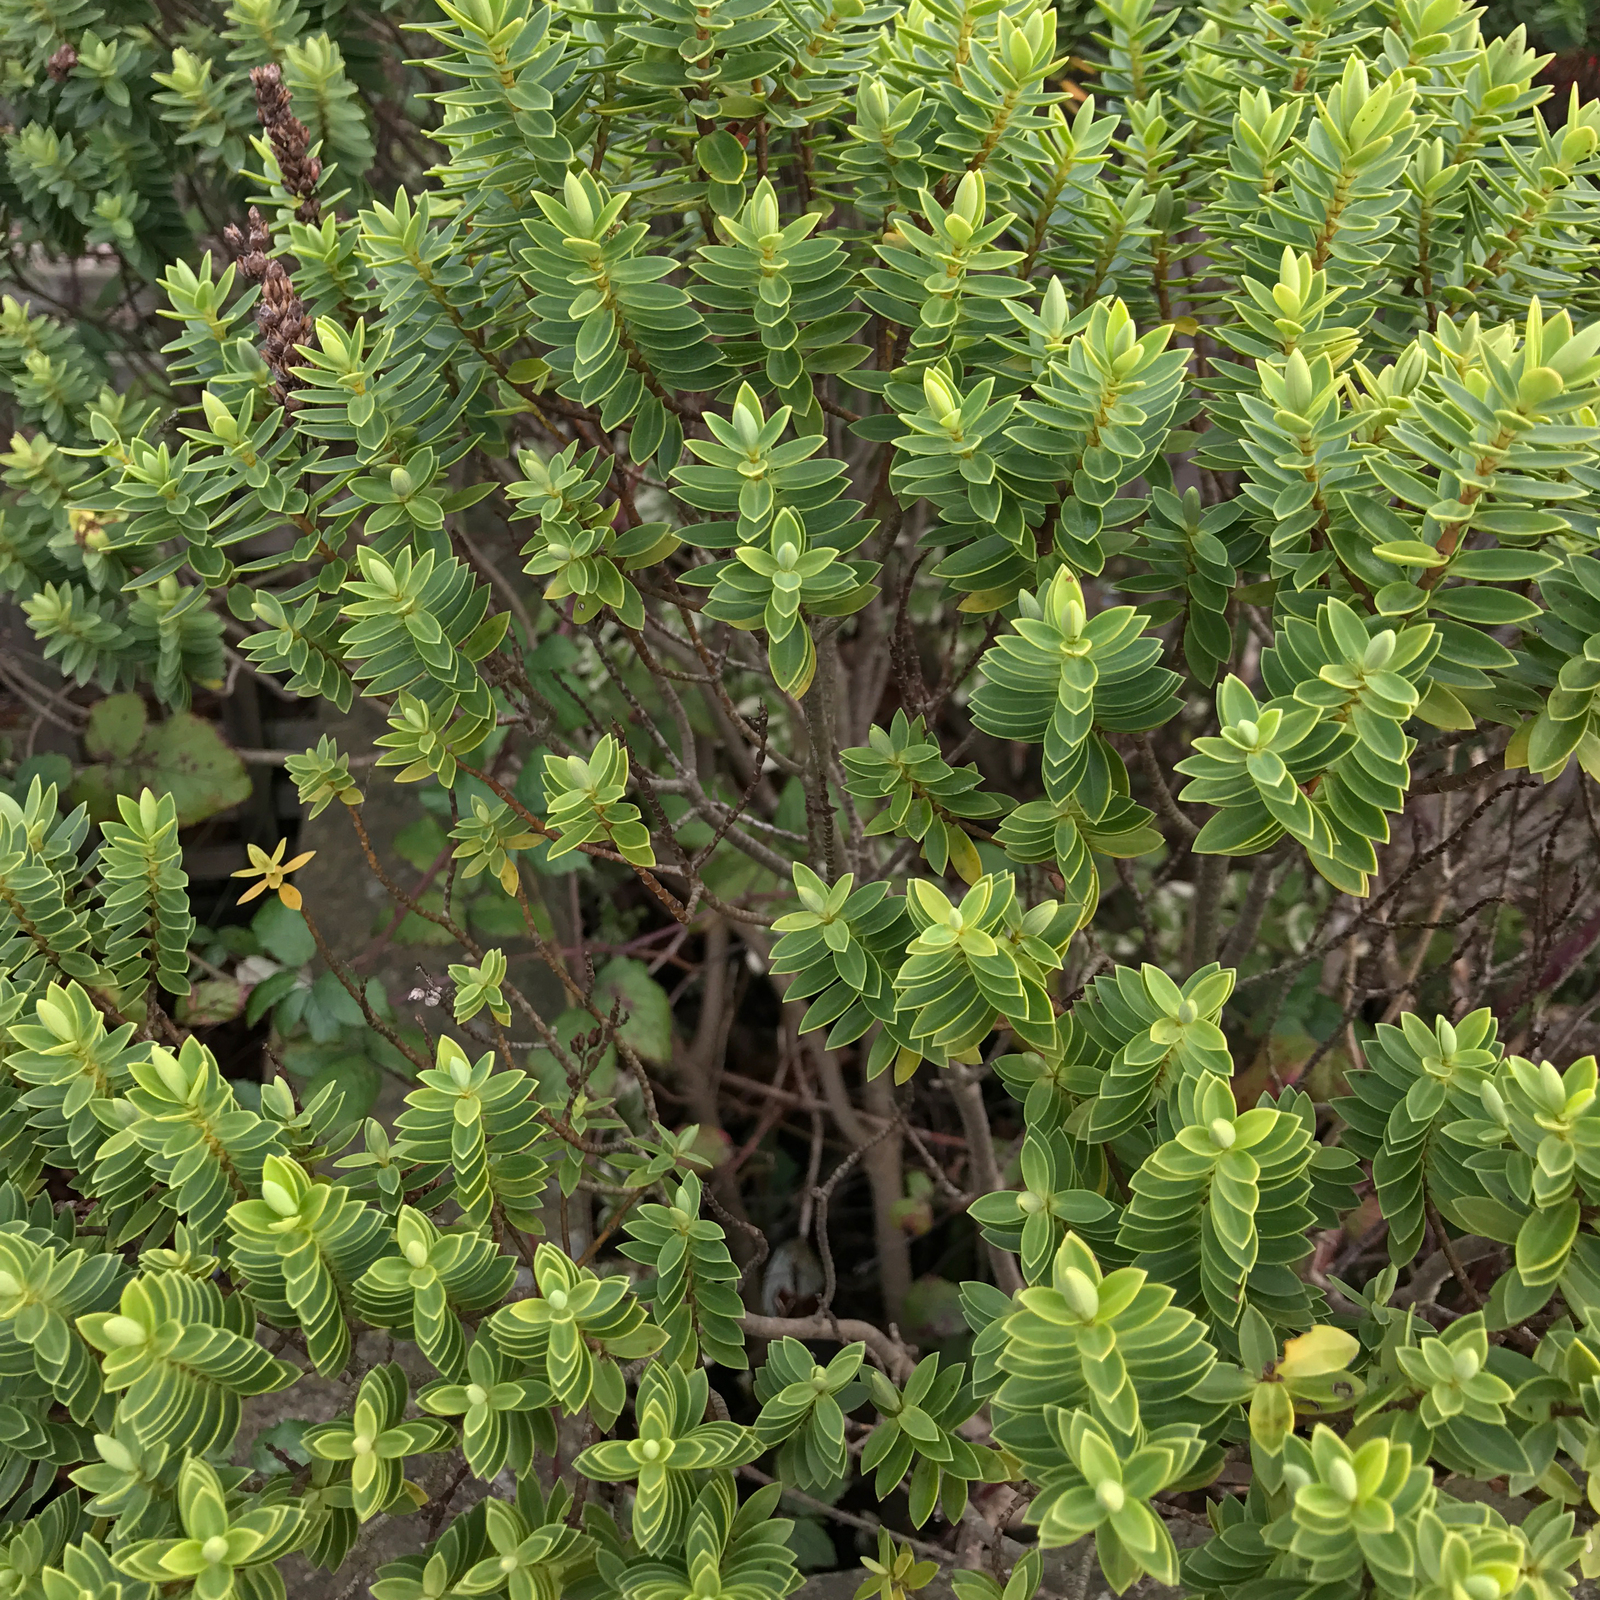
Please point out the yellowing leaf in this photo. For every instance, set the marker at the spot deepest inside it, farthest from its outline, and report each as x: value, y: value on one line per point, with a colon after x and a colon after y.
x: 1271, y: 1416
x: 1321, y: 1350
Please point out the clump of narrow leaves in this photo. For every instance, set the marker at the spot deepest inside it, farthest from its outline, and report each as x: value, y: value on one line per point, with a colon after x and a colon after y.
x: 829, y: 494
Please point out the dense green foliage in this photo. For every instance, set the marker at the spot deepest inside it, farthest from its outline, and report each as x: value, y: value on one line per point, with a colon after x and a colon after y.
x: 809, y: 351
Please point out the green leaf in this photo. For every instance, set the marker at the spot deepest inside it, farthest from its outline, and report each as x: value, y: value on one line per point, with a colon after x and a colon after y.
x: 721, y: 157
x: 1544, y: 1242
x: 183, y: 757
x: 283, y: 933
x: 357, y: 1078
x: 268, y: 993
x: 1441, y: 709
x: 209, y: 1002
x: 1409, y: 553
x: 116, y: 725
x: 648, y: 1014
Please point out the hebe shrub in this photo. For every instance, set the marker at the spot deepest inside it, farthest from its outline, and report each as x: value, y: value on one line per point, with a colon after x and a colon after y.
x: 900, y: 440
x: 132, y: 129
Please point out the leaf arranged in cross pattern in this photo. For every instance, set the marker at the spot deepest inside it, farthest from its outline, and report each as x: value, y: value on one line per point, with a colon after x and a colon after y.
x: 422, y: 1290
x: 505, y: 1417
x: 376, y: 1441
x: 575, y: 1330
x: 1040, y: 527
x: 672, y: 1451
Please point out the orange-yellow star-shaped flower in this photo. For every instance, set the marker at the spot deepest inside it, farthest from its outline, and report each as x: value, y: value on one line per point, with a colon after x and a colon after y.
x: 272, y: 870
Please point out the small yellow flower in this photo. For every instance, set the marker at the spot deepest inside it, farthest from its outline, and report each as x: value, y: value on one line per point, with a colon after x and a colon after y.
x: 267, y: 868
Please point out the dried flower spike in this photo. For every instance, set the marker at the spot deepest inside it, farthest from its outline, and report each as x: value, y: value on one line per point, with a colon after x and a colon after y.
x: 280, y: 313
x: 290, y: 139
